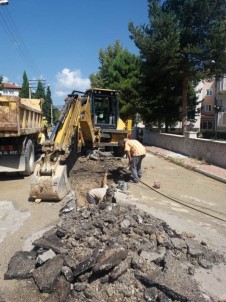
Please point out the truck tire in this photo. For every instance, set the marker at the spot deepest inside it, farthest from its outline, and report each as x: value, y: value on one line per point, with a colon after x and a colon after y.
x: 29, y: 158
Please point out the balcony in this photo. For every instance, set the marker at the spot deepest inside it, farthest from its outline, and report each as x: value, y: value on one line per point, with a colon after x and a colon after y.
x: 221, y: 86
x: 221, y: 120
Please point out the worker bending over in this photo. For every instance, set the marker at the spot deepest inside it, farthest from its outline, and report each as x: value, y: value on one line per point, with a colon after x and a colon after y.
x: 105, y: 193
x: 135, y: 152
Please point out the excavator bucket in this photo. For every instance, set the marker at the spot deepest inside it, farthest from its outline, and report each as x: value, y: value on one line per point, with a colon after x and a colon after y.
x: 50, y: 187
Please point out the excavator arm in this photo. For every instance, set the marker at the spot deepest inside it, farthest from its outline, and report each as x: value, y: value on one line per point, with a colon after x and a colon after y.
x: 50, y: 179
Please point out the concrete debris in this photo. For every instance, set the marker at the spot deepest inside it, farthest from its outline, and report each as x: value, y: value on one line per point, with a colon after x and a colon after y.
x: 114, y: 254
x: 70, y: 203
x: 21, y: 265
x: 46, y: 276
x: 42, y: 258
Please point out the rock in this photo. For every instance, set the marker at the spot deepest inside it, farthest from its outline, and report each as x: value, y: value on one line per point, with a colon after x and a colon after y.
x: 194, y: 247
x: 125, y: 224
x: 119, y: 270
x: 205, y: 264
x: 110, y: 258
x: 151, y: 294
x: 46, y: 275
x: 89, y: 294
x: 121, y: 254
x: 138, y: 219
x: 86, y: 264
x: 93, y: 157
x: 70, y: 205
x: 61, y: 293
x: 179, y: 244
x: 21, y: 265
x: 68, y: 274
x: 79, y: 286
x: 174, y: 282
x: 152, y: 256
x: 53, y: 242
x: 42, y: 258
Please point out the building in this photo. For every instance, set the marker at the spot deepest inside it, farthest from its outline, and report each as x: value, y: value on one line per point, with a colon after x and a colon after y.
x: 208, y: 92
x: 213, y: 108
x: 10, y: 89
x: 220, y: 106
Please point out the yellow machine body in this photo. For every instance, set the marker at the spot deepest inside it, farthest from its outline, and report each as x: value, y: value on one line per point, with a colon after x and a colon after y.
x: 78, y: 127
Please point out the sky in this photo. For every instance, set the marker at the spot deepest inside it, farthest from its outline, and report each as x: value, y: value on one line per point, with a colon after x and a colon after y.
x: 58, y: 41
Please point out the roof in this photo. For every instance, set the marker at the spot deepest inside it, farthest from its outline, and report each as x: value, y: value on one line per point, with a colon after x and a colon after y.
x: 11, y: 86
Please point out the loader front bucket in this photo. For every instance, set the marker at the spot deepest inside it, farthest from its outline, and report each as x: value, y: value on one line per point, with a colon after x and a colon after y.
x: 50, y: 187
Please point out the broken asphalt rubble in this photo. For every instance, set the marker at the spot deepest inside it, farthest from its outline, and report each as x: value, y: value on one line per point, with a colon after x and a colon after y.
x: 114, y: 252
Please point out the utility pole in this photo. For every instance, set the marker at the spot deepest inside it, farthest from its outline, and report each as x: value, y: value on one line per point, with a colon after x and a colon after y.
x: 29, y: 90
x: 51, y: 115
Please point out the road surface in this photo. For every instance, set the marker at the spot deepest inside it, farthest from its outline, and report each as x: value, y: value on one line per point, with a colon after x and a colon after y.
x: 188, y: 201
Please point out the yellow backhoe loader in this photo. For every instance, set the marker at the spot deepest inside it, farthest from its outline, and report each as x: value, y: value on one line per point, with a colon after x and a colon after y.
x: 89, y: 120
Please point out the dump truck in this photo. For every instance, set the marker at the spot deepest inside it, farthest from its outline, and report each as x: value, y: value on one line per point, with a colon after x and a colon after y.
x: 20, y: 127
x: 88, y: 120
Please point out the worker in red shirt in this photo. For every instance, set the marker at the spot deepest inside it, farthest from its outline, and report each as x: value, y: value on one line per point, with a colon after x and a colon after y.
x: 135, y: 152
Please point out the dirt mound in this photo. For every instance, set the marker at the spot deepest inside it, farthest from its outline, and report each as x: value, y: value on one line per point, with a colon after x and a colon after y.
x: 113, y: 252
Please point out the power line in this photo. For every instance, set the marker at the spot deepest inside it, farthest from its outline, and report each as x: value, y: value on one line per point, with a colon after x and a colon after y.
x: 15, y: 37
x: 191, y: 206
x: 22, y: 41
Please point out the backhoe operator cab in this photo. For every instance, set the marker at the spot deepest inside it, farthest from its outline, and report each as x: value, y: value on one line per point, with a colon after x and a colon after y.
x: 104, y: 107
x: 105, y: 116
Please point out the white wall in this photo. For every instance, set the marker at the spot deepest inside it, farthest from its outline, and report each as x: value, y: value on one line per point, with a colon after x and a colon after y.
x: 210, y: 151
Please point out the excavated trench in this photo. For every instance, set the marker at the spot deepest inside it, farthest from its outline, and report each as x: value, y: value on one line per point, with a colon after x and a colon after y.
x: 111, y: 251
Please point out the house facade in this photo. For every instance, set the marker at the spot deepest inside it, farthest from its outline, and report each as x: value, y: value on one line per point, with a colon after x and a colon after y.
x: 10, y: 89
x: 213, y: 106
x: 221, y: 104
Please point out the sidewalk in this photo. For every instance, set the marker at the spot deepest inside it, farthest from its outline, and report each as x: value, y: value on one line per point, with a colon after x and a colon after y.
x: 190, y: 163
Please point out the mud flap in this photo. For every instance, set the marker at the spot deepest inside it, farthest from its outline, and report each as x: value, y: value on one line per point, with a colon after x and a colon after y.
x: 53, y: 187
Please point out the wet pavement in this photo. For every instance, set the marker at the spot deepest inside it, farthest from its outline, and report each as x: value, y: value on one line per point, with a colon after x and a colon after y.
x: 196, y: 165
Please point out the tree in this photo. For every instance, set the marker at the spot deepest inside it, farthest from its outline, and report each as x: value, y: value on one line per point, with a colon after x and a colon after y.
x: 1, y: 85
x: 51, y: 112
x: 186, y: 39
x: 56, y: 114
x: 24, y: 92
x: 159, y: 87
x: 119, y: 69
x: 48, y: 106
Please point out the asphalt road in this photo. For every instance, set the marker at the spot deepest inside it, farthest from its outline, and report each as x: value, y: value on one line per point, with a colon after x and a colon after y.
x: 187, y: 201
x: 21, y: 222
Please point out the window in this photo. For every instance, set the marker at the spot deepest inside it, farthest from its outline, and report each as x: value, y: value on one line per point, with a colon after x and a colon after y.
x: 207, y: 125
x: 207, y: 108
x: 209, y: 92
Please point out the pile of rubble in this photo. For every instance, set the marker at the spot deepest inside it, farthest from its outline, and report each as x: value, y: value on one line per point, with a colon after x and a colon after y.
x: 113, y: 252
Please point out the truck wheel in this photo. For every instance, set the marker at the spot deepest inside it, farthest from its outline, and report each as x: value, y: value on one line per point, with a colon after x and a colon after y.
x: 29, y: 158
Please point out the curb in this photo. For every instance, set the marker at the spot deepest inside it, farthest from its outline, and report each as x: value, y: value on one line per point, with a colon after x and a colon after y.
x: 188, y: 166
x: 210, y: 175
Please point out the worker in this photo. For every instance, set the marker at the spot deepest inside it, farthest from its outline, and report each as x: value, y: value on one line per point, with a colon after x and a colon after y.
x: 135, y: 152
x: 41, y: 138
x: 105, y: 193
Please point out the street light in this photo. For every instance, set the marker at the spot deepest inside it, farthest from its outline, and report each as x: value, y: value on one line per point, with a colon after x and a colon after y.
x: 217, y: 109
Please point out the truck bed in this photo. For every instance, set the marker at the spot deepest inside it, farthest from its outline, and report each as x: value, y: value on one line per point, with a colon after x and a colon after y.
x: 20, y: 116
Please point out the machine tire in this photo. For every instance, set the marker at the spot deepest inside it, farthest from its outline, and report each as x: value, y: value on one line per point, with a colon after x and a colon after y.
x: 29, y: 158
